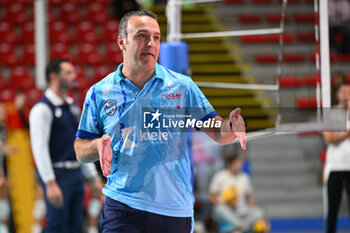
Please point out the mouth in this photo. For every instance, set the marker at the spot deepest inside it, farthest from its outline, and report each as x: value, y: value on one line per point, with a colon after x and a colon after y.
x: 147, y: 54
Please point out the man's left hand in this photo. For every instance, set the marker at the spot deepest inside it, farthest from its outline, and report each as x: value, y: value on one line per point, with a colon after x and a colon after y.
x: 238, y: 126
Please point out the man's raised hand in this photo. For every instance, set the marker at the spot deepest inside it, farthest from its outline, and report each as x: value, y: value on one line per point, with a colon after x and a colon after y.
x: 238, y: 126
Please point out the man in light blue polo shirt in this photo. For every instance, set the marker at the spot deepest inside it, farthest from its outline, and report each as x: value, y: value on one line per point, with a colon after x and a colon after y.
x: 135, y: 122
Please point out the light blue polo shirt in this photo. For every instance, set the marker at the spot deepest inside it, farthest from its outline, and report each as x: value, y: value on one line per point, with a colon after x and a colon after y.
x: 150, y: 170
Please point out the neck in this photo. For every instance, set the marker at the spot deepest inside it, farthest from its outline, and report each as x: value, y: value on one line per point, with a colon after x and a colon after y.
x: 139, y: 77
x: 59, y: 93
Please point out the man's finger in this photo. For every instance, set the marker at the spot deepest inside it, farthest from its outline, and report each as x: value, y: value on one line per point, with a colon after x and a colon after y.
x: 234, y: 114
x: 243, y: 140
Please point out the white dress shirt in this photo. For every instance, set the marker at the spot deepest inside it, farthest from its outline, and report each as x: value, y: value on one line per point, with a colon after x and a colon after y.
x: 40, y: 120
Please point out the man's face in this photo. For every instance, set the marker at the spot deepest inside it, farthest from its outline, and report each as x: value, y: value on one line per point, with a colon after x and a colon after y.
x: 141, y: 47
x: 236, y: 166
x: 344, y: 95
x: 66, y: 77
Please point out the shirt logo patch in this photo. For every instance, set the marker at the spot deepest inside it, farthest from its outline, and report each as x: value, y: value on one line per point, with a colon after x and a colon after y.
x: 110, y: 107
x: 171, y: 96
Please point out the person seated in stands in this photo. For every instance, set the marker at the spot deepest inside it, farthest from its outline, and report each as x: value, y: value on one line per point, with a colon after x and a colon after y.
x: 231, y: 193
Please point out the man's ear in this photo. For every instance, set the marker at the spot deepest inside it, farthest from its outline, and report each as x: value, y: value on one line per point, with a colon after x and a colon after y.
x: 121, y: 42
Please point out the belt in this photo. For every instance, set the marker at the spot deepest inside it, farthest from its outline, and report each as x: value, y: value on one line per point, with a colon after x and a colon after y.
x: 66, y: 165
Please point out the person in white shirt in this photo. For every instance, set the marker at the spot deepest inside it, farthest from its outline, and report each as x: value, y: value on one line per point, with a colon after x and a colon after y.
x: 231, y: 192
x: 337, y: 166
x: 53, y: 123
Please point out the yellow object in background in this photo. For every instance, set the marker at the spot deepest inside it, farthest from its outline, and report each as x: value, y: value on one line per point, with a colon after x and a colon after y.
x: 21, y: 179
x: 230, y: 196
x: 261, y: 226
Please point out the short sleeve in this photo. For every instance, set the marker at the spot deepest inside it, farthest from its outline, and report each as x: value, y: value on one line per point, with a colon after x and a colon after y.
x: 214, y: 186
x: 90, y: 126
x: 249, y: 185
x: 198, y: 105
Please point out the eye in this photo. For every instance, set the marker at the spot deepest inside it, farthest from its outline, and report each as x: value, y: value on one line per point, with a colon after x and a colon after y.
x: 141, y: 36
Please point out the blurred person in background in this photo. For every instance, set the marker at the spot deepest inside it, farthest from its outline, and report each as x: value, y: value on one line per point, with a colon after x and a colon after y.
x: 337, y: 166
x: 339, y: 19
x: 231, y: 193
x: 5, y: 209
x: 338, y: 79
x: 53, y: 124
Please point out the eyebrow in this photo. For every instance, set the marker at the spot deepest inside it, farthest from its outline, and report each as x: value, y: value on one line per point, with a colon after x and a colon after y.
x: 146, y: 31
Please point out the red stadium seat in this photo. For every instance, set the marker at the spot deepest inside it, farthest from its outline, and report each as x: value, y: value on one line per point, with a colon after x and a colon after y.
x: 306, y: 37
x: 8, y: 55
x: 275, y: 38
x: 306, y: 102
x: 249, y: 18
x: 113, y: 54
x: 27, y: 35
x: 234, y: 1
x: 293, y: 58
x: 261, y: 1
x: 86, y: 33
x: 88, y: 55
x: 311, y: 80
x: 7, y: 33
x: 16, y: 13
x: 59, y: 32
x: 266, y: 58
x: 59, y: 50
x: 97, y: 12
x: 332, y: 57
x: 80, y: 72
x: 251, y: 39
x: 100, y: 72
x: 304, y: 18
x: 110, y: 31
x: 274, y: 18
x: 20, y: 78
x: 104, y: 2
x: 7, y: 95
x: 33, y: 95
x: 70, y: 13
x: 28, y: 56
x: 290, y: 81
x: 82, y: 80
x: 343, y: 58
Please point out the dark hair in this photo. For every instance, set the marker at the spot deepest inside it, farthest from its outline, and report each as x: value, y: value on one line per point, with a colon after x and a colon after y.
x: 54, y: 66
x: 124, y: 21
x: 231, y: 158
x: 336, y: 85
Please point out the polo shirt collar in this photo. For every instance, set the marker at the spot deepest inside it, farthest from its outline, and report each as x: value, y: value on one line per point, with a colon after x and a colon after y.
x: 55, y: 99
x: 157, y: 74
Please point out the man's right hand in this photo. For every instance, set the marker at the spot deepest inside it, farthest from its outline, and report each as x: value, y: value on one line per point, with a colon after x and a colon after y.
x: 54, y: 194
x: 105, y: 154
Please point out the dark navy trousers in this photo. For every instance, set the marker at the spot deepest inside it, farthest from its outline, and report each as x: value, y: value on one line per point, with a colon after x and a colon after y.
x: 68, y: 219
x: 117, y: 217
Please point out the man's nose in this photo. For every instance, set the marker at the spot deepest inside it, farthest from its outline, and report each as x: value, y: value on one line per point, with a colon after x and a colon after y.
x: 150, y: 42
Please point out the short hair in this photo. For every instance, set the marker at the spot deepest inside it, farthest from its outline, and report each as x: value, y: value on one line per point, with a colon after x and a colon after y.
x: 54, y: 66
x: 124, y: 21
x: 231, y: 158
